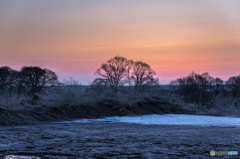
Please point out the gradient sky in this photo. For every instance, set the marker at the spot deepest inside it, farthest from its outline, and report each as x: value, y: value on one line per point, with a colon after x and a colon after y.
x: 73, y: 38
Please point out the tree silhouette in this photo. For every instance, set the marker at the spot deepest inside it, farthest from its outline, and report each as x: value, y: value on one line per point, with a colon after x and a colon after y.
x: 6, y: 78
x: 199, y: 88
x: 142, y: 75
x: 49, y: 78
x: 36, y: 78
x: 219, y: 85
x: 113, y: 72
x: 19, y: 82
x: 234, y: 84
x: 129, y: 74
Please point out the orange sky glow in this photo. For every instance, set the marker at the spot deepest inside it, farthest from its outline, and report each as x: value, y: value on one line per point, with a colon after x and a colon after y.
x: 73, y: 38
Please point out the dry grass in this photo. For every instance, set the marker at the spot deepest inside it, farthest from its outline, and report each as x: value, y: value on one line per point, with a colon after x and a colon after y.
x: 70, y: 102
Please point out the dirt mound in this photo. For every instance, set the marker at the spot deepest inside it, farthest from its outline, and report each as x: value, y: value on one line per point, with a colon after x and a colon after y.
x: 104, y: 108
x: 110, y: 103
x: 142, y: 107
x: 160, y: 106
x: 113, y: 107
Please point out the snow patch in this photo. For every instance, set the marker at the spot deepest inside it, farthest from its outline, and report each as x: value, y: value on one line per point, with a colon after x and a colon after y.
x: 169, y: 119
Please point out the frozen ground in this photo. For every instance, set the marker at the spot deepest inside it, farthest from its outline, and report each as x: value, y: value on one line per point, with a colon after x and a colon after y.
x: 170, y: 119
x: 117, y: 140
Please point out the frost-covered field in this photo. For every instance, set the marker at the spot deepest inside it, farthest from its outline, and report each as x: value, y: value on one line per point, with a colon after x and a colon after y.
x: 117, y: 140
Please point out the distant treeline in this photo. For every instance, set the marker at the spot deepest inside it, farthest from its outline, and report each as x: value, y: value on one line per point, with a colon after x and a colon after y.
x: 118, y: 72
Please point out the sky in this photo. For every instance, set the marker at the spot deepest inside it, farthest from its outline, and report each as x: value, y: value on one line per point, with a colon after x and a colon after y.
x: 73, y: 38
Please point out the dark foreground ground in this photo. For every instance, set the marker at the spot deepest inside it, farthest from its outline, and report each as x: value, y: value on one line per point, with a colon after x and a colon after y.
x: 117, y: 140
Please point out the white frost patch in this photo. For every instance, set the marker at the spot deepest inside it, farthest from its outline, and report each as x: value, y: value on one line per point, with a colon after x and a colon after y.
x: 169, y: 119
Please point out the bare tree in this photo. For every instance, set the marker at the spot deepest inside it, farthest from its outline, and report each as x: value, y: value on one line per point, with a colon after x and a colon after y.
x: 49, y: 78
x: 218, y: 85
x: 199, y: 88
x: 19, y: 82
x: 143, y: 75
x: 6, y: 77
x: 114, y: 72
x: 234, y: 84
x: 128, y: 76
x: 36, y: 78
